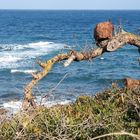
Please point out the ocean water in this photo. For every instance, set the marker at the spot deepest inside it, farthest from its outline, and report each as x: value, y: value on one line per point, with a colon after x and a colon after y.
x: 29, y: 35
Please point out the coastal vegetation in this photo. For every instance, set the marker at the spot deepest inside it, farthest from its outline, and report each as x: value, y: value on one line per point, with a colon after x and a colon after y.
x: 112, y: 114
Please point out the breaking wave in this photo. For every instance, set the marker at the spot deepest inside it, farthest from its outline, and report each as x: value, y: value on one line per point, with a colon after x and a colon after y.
x: 15, y: 106
x: 11, y: 55
x: 22, y: 71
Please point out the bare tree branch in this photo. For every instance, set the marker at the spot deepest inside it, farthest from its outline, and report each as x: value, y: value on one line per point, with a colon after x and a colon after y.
x: 107, y: 44
x: 117, y: 134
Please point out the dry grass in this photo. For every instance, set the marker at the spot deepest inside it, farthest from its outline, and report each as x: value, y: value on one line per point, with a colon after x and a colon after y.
x: 112, y: 114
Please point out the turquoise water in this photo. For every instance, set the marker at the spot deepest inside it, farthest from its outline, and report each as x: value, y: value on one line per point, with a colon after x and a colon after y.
x: 29, y: 35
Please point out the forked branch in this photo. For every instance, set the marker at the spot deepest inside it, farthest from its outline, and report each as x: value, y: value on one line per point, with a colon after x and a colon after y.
x: 105, y: 41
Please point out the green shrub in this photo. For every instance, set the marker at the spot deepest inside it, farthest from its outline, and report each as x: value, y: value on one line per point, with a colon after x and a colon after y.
x: 114, y: 110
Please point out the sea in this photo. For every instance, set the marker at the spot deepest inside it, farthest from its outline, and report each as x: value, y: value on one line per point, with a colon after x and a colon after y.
x: 30, y: 35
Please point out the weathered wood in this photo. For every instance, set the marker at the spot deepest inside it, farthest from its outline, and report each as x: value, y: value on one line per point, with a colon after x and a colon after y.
x: 47, y: 66
x: 106, y: 44
x: 122, y: 39
x: 28, y: 96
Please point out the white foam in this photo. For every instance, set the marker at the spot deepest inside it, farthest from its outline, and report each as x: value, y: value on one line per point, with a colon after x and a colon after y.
x: 12, y: 104
x: 8, y: 58
x: 58, y: 102
x: 36, y: 45
x: 102, y: 58
x: 13, y: 55
x: 42, y: 44
x: 23, y: 71
x: 15, y: 106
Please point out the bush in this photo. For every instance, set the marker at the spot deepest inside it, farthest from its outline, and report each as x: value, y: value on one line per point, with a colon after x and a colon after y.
x: 114, y: 110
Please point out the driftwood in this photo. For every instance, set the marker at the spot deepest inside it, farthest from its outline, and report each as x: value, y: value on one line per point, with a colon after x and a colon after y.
x: 109, y: 42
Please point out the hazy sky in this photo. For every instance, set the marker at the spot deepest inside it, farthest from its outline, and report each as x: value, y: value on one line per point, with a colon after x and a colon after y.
x: 70, y: 4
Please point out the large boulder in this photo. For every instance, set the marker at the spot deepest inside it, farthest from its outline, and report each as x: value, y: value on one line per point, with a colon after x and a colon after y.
x: 103, y: 31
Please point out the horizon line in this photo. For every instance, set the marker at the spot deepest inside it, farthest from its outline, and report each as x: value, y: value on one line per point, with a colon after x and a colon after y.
x: 73, y: 9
